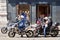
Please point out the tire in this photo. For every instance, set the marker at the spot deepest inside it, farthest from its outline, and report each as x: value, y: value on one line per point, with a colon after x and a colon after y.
x: 55, y: 32
x: 11, y: 34
x: 36, y: 36
x: 4, y: 30
x: 29, y: 33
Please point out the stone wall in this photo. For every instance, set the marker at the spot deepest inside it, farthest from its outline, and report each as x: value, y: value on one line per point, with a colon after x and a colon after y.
x: 3, y: 12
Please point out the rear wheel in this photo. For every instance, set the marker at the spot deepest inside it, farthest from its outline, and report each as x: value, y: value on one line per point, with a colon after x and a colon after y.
x: 29, y: 33
x: 4, y: 30
x: 55, y: 32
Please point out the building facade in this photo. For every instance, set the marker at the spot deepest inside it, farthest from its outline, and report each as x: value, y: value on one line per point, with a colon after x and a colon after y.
x: 34, y: 8
x: 3, y: 12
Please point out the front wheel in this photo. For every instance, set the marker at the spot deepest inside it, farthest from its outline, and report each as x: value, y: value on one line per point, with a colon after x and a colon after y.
x: 11, y: 34
x: 36, y: 35
x: 29, y: 33
x: 4, y: 30
x: 55, y: 32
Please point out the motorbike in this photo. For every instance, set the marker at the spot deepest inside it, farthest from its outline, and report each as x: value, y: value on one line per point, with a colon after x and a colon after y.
x: 51, y: 30
x: 4, y: 30
x: 28, y: 31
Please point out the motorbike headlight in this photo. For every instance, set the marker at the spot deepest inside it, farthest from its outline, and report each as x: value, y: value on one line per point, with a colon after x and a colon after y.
x: 54, y: 24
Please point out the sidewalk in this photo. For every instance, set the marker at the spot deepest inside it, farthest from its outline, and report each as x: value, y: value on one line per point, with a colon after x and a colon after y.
x: 3, y: 24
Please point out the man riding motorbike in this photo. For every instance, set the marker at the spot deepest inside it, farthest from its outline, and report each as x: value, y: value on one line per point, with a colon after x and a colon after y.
x: 21, y: 24
x: 46, y: 22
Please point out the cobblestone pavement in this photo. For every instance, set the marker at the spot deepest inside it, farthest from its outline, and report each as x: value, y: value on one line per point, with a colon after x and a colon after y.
x: 17, y: 37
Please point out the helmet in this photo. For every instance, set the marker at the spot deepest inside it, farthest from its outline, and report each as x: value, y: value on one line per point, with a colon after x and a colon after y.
x: 22, y: 16
x: 46, y: 18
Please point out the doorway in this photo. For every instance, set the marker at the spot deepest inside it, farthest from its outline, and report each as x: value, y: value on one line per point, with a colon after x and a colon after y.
x: 23, y: 8
x: 42, y: 9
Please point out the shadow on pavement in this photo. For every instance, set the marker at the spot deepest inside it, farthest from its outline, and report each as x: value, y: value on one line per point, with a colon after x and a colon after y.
x: 35, y: 37
x: 40, y: 36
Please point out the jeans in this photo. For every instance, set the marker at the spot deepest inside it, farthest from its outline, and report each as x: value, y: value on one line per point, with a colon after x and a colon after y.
x: 44, y: 30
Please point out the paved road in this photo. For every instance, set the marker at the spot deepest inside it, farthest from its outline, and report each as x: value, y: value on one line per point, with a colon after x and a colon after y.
x: 17, y: 37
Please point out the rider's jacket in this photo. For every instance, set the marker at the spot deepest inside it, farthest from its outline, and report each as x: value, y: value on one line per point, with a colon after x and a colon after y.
x: 21, y: 24
x: 47, y: 22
